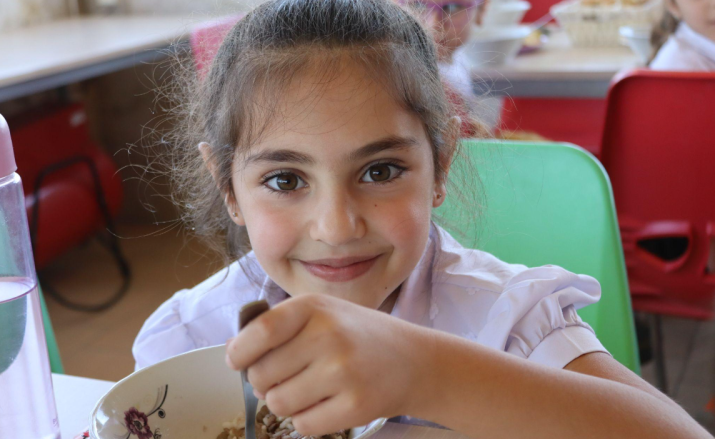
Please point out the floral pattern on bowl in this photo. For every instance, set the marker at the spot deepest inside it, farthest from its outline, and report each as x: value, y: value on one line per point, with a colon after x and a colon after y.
x: 138, y: 423
x: 205, y: 394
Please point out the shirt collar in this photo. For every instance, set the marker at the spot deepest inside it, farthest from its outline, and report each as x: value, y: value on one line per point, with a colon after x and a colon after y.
x: 698, y: 42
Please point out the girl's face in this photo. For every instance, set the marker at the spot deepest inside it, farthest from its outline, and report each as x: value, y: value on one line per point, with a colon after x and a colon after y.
x: 698, y: 14
x: 337, y: 195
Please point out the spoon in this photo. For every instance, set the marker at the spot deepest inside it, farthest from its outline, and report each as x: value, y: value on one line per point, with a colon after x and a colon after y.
x: 249, y: 312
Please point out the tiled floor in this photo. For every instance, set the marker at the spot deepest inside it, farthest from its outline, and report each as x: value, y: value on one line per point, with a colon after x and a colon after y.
x: 99, y: 345
x: 690, y: 366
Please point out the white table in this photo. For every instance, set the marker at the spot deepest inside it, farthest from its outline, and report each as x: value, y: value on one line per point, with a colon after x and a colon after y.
x: 558, y: 70
x: 54, y: 54
x: 58, y: 53
x: 76, y: 398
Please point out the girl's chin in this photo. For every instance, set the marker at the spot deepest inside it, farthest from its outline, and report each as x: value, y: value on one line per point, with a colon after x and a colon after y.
x: 352, y: 293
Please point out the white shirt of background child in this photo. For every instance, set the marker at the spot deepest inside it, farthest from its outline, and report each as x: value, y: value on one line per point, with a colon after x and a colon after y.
x: 528, y: 312
x: 686, y: 50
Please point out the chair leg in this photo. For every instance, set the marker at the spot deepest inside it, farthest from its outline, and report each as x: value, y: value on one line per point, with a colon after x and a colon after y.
x: 657, y: 334
x: 112, y: 243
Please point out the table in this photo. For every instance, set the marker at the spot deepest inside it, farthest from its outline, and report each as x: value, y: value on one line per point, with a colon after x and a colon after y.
x: 59, y: 53
x: 557, y: 70
x: 77, y: 396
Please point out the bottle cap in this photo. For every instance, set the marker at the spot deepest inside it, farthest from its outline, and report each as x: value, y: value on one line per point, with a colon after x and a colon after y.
x: 7, y: 156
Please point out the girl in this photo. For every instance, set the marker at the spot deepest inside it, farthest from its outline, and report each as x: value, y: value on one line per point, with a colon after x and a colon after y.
x: 692, y: 46
x: 322, y: 130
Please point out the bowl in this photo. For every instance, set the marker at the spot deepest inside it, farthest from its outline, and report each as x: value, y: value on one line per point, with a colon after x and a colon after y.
x: 189, y: 396
x: 488, y: 47
x: 638, y: 39
x: 507, y: 13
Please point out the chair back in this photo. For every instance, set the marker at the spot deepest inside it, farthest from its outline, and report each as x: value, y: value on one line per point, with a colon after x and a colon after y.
x: 14, y: 327
x: 547, y: 203
x: 206, y: 39
x: 659, y: 150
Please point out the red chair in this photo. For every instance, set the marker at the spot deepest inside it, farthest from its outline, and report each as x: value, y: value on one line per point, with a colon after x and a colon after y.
x: 539, y: 8
x: 72, y: 189
x: 577, y: 121
x: 206, y: 39
x: 659, y: 150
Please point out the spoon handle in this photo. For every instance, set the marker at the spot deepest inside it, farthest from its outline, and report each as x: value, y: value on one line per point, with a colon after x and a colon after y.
x: 249, y: 312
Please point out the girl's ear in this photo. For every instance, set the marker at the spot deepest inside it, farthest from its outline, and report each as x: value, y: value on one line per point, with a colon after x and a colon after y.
x: 673, y: 8
x: 451, y: 138
x: 230, y: 201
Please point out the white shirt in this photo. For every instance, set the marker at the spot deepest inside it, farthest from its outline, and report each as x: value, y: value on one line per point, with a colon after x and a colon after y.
x: 530, y: 313
x: 686, y: 50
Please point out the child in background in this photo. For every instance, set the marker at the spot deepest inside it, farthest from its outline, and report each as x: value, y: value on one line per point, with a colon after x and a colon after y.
x: 450, y: 23
x: 322, y: 130
x: 689, y: 26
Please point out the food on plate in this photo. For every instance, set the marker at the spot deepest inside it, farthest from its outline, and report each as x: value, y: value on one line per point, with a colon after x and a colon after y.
x: 270, y: 426
x: 634, y: 2
x: 235, y: 429
x: 534, y: 38
x: 598, y: 2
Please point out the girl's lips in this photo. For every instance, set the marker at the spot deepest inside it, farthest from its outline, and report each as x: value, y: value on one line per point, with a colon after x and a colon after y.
x: 339, y: 270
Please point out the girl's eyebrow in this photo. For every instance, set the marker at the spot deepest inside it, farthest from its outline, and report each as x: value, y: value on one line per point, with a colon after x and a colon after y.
x: 385, y: 144
x: 279, y: 155
x: 372, y: 148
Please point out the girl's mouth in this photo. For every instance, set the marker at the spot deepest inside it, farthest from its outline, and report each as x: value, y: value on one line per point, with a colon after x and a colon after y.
x: 340, y: 269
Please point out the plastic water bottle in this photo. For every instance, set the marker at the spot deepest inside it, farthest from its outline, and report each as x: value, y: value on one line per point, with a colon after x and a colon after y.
x: 27, y: 402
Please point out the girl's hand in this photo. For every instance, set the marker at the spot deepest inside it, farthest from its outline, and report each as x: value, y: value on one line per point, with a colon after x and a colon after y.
x: 330, y: 364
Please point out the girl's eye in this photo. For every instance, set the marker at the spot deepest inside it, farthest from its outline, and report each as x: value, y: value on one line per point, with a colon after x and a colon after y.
x: 381, y: 173
x: 285, y: 182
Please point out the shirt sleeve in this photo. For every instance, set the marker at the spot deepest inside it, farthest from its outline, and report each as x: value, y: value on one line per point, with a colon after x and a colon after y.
x: 163, y: 335
x: 535, y: 317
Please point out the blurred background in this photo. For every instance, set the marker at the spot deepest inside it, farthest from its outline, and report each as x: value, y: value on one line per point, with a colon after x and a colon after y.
x: 77, y: 81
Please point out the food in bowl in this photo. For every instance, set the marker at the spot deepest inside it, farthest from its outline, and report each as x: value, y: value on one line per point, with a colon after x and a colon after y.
x: 235, y: 429
x: 270, y: 426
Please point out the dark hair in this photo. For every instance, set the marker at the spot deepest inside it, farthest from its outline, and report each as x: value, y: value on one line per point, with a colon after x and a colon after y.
x: 231, y: 107
x: 661, y: 31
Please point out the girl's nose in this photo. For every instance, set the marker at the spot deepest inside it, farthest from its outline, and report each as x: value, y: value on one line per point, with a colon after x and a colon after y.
x: 337, y: 220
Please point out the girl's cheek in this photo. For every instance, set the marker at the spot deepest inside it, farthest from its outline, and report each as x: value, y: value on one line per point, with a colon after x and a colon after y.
x: 404, y: 220
x: 272, y: 231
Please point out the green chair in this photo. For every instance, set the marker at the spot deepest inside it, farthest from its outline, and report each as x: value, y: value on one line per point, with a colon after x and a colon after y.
x: 547, y: 203
x: 52, y: 349
x: 7, y: 266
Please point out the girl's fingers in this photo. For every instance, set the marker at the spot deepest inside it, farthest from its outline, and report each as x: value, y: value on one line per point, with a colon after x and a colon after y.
x: 329, y: 416
x: 268, y: 331
x: 281, y: 363
x: 299, y: 393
